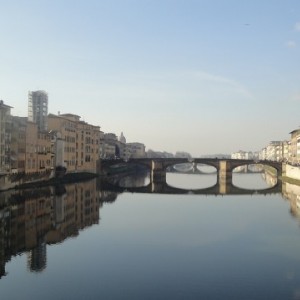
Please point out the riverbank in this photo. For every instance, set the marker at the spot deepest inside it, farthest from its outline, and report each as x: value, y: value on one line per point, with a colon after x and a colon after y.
x: 34, y: 180
x: 41, y: 179
x: 290, y: 174
x: 67, y: 178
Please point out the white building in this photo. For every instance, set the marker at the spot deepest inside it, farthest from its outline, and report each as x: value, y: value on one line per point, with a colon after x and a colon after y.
x: 274, y: 151
x: 136, y: 150
x: 244, y: 155
x: 263, y: 154
x: 286, y: 148
x: 295, y: 146
x: 110, y: 147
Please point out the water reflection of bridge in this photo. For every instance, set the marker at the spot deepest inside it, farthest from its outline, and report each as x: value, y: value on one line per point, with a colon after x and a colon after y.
x: 164, y: 188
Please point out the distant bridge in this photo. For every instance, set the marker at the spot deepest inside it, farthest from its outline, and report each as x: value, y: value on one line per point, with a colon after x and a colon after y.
x: 224, y: 168
x: 218, y: 163
x: 215, y: 162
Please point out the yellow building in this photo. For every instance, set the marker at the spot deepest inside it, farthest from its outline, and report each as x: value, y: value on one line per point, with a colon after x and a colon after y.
x: 30, y: 147
x: 18, y: 144
x: 81, y: 142
x: 74, y: 210
x: 38, y: 145
x: 5, y: 127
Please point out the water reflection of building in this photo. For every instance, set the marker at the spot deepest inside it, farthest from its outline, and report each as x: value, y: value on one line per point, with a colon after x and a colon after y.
x: 249, y: 169
x: 4, y: 230
x: 36, y: 258
x: 291, y: 192
x: 136, y: 180
x: 77, y: 209
x: 37, y: 218
x: 29, y: 220
x: 270, y: 179
x: 108, y: 197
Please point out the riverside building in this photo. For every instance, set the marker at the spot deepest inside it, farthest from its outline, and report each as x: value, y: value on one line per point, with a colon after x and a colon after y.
x: 5, y: 137
x: 295, y: 146
x: 81, y: 142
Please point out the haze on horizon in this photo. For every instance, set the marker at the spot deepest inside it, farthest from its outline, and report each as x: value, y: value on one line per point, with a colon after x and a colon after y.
x: 198, y: 76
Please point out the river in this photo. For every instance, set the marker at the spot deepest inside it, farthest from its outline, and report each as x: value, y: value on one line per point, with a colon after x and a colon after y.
x: 80, y: 241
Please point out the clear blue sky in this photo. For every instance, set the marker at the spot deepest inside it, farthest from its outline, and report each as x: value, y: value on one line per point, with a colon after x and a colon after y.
x: 201, y: 76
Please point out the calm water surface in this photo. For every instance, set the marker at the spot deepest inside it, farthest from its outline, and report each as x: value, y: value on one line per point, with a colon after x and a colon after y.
x: 81, y: 242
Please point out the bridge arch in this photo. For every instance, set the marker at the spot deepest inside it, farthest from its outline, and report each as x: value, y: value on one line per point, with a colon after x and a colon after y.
x: 237, y: 163
x: 170, y: 163
x: 209, y: 162
x: 147, y: 162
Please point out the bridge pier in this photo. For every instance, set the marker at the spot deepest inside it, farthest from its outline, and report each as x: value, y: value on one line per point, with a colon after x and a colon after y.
x: 158, y: 176
x: 195, y: 169
x: 157, y: 187
x: 224, y: 177
x: 158, y: 172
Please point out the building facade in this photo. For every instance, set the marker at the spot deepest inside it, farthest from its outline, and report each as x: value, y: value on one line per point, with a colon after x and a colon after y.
x: 18, y: 144
x: 5, y: 138
x: 286, y: 150
x: 274, y: 151
x: 136, y: 150
x: 295, y: 146
x: 81, y: 142
x: 38, y: 149
x: 110, y: 146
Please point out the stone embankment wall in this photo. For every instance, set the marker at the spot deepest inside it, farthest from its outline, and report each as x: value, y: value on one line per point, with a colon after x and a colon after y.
x: 38, y: 179
x: 292, y: 172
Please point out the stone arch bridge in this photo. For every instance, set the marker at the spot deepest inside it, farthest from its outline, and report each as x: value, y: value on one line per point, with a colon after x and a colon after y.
x: 224, y: 167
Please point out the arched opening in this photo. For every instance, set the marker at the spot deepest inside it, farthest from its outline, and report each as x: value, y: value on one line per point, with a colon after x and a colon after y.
x: 188, y: 176
x: 206, y: 169
x: 131, y: 175
x: 135, y: 180
x: 254, y: 176
x: 181, y: 168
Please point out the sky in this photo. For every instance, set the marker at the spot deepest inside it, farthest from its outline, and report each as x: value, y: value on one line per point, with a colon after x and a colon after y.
x: 202, y: 76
